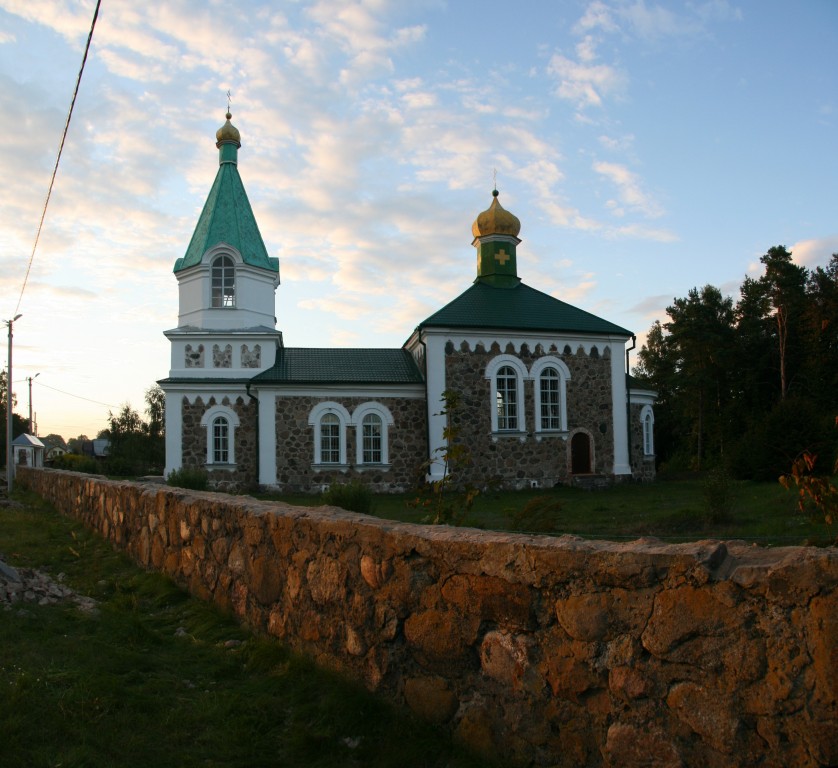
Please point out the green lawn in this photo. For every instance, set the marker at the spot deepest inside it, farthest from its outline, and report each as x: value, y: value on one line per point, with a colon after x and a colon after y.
x: 672, y: 510
x: 156, y: 678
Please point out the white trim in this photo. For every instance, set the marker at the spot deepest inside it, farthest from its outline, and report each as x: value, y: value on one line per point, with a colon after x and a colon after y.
x: 174, y: 431
x: 207, y: 420
x: 492, y: 369
x: 358, y: 422
x: 314, y: 418
x: 619, y: 417
x: 648, y: 440
x: 537, y: 368
x: 267, y: 439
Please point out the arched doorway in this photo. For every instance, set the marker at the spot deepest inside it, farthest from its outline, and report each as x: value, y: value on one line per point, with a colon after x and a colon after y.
x: 580, y: 454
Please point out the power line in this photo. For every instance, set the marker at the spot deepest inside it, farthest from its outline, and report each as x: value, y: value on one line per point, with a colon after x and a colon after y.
x: 58, y: 159
x: 78, y: 397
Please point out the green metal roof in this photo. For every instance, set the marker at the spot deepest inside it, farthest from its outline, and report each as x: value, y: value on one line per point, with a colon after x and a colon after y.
x: 302, y: 365
x: 517, y: 308
x: 228, y: 218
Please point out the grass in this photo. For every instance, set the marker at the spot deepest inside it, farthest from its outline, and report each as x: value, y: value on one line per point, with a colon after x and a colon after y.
x: 672, y: 510
x: 155, y: 677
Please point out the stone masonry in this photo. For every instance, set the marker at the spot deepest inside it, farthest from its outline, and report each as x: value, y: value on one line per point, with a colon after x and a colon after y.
x: 539, y: 651
x: 543, y: 461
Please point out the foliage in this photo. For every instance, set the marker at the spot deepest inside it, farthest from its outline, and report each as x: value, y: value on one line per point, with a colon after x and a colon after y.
x: 353, y: 497
x: 74, y: 444
x: 187, y: 477
x: 155, y: 399
x: 449, y: 500
x: 20, y: 426
x: 750, y: 385
x: 817, y: 495
x: 137, y: 447
x: 75, y: 462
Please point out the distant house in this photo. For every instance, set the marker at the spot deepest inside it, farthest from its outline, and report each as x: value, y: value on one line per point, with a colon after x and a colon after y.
x: 28, y: 451
x: 54, y: 447
x: 98, y: 449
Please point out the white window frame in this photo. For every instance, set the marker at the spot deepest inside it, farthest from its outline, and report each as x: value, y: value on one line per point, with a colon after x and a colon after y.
x: 358, y: 416
x: 208, y: 422
x: 314, y: 419
x: 521, y: 374
x: 647, y: 424
x: 225, y: 270
x: 536, y: 370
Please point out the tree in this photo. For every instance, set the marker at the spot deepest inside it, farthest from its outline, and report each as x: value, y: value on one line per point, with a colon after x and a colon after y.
x: 785, y: 285
x: 820, y: 324
x: 20, y: 426
x: 74, y: 444
x: 687, y: 359
x: 155, y: 399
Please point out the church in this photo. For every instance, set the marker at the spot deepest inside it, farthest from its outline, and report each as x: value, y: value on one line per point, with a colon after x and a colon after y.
x: 537, y: 390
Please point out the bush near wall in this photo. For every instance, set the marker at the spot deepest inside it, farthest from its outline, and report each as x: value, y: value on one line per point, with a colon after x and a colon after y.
x: 545, y: 651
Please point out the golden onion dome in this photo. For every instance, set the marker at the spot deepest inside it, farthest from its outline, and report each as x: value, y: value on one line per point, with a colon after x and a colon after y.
x: 496, y: 220
x: 228, y: 132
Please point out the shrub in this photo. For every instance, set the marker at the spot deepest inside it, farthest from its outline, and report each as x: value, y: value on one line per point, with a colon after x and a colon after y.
x: 75, y: 462
x: 186, y: 477
x: 353, y: 496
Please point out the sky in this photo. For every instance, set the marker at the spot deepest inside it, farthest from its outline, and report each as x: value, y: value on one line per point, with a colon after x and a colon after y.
x: 647, y: 148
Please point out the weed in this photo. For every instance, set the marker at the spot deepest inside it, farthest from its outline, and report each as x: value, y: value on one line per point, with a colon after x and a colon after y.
x: 353, y: 497
x: 191, y: 479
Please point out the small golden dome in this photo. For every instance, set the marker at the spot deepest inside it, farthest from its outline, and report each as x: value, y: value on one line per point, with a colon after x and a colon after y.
x: 496, y: 220
x: 228, y: 132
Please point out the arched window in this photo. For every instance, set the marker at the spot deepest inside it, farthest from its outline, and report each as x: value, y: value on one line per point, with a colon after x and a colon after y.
x: 371, y: 439
x: 506, y: 374
x: 220, y: 440
x: 221, y: 422
x: 372, y: 422
x: 223, y: 282
x: 550, y: 400
x: 550, y: 375
x: 329, y: 421
x: 647, y: 420
x: 507, y: 399
x: 330, y: 439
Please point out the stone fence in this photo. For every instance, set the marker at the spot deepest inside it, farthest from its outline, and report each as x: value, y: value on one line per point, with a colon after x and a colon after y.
x: 542, y: 651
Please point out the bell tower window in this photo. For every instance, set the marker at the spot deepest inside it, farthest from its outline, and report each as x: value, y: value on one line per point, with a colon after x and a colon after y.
x: 223, y: 282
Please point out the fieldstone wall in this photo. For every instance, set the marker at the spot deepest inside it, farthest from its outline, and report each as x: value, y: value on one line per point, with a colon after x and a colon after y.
x: 543, y: 461
x: 538, y: 651
x: 244, y: 475
x: 407, y: 440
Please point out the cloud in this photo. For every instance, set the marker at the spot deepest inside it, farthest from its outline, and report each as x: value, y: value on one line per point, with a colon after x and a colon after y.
x: 582, y: 82
x: 629, y: 188
x: 816, y: 252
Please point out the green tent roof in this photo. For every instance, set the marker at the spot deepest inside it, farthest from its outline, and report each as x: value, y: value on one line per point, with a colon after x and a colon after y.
x: 228, y: 218
x: 301, y: 365
x: 517, y: 308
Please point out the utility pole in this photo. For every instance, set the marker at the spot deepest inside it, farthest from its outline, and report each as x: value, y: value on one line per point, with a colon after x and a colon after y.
x: 10, y: 463
x: 32, y: 430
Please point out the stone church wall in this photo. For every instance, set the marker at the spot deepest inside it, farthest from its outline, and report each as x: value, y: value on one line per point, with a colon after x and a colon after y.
x: 407, y: 446
x: 244, y: 476
x: 536, y: 651
x: 508, y: 460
